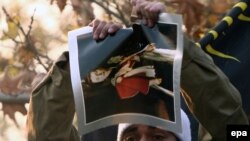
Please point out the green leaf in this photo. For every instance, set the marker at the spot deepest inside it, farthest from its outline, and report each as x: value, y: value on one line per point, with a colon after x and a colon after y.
x: 12, y: 31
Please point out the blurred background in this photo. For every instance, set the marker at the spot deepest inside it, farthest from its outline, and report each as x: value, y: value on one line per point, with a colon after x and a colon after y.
x: 33, y: 33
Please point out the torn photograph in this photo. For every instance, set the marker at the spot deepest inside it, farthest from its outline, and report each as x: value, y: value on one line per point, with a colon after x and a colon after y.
x: 132, y: 76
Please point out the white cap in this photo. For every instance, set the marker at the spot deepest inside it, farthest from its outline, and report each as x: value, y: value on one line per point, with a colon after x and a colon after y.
x: 185, y: 135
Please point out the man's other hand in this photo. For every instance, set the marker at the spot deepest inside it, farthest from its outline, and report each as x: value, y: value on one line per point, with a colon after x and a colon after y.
x: 148, y: 11
x: 101, y: 29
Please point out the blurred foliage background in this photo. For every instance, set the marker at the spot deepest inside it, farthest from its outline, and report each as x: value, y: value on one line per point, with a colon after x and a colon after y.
x: 33, y: 33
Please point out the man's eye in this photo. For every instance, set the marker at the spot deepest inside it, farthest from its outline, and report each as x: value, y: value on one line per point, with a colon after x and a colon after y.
x: 158, y: 137
x: 129, y: 138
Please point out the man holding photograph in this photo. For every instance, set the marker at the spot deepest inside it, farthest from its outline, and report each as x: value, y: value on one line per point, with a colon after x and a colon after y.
x: 211, y: 97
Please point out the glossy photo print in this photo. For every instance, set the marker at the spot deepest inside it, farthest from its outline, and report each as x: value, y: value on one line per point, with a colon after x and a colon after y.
x: 132, y: 76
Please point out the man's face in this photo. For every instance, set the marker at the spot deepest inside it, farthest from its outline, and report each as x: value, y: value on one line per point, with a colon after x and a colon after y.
x: 140, y: 132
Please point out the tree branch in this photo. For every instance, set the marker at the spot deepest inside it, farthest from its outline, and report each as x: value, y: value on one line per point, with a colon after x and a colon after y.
x: 28, y: 43
x: 121, y: 14
x: 111, y: 12
x: 31, y: 22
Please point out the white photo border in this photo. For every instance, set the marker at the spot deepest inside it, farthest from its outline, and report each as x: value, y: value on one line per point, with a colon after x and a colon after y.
x: 84, y: 127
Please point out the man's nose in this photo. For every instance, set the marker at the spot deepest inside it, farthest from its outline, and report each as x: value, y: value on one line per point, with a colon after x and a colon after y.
x: 144, y: 138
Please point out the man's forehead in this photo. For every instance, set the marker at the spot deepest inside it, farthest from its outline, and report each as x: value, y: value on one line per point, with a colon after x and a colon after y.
x: 136, y: 127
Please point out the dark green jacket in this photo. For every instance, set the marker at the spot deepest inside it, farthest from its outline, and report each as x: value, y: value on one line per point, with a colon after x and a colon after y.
x: 214, y: 101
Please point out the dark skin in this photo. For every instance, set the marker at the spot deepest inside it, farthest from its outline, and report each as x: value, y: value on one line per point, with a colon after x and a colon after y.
x: 148, y: 11
x: 102, y: 28
x: 139, y: 132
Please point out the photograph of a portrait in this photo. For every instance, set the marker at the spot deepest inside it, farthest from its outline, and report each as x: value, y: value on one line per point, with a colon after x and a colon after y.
x: 132, y: 76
